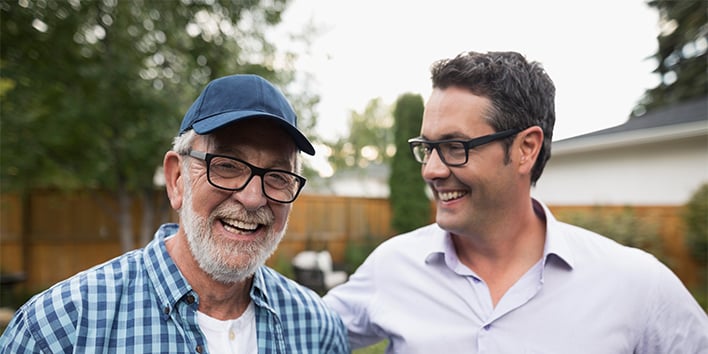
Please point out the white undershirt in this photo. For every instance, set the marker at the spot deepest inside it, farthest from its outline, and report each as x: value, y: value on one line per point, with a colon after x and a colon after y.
x: 237, y: 336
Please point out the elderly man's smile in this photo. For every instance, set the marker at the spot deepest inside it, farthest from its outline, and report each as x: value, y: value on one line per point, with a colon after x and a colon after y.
x: 239, y: 226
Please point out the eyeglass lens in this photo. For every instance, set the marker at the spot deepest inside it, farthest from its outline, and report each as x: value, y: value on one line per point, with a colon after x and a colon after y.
x: 231, y: 174
x: 451, y: 153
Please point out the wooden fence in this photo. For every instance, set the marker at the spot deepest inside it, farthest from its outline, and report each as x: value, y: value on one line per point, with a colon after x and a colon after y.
x: 49, y: 236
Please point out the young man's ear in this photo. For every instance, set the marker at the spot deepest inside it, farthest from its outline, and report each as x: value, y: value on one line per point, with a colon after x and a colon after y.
x: 173, y: 178
x: 530, y: 144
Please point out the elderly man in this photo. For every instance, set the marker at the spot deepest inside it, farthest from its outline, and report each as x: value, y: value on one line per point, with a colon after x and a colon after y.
x: 201, y: 285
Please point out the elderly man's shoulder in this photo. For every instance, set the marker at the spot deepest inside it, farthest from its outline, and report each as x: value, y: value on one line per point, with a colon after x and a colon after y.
x: 286, y: 292
x: 91, y: 290
x: 279, y: 285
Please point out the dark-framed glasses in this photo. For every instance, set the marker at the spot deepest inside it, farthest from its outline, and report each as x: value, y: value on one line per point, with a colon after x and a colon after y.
x: 453, y: 152
x: 232, y: 174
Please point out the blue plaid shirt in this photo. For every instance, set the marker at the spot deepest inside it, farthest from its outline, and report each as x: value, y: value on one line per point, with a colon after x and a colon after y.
x: 141, y: 303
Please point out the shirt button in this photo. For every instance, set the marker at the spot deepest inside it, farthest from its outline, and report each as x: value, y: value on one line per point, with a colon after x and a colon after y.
x: 198, y: 349
x: 166, y: 310
x: 190, y: 299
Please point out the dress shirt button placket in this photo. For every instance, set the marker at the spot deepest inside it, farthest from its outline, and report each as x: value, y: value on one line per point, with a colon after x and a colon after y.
x: 482, y: 338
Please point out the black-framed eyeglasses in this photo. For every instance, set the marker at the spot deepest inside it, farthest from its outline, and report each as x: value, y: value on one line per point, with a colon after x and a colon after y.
x: 232, y: 174
x: 453, y: 152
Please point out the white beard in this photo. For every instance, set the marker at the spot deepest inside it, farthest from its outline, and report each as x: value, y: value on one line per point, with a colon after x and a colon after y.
x: 228, y: 261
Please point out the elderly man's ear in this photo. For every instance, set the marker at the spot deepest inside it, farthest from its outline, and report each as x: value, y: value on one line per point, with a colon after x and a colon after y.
x: 173, y: 179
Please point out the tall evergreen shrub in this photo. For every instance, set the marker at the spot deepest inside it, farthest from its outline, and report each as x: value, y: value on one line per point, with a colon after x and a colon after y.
x: 409, y: 203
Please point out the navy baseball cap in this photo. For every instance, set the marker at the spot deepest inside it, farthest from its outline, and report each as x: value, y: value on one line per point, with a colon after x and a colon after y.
x: 231, y: 98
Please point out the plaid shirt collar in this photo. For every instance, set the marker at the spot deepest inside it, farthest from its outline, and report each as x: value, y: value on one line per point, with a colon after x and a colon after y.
x: 171, y: 286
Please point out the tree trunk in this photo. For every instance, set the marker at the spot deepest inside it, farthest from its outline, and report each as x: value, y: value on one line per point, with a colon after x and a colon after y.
x: 125, y: 221
x: 26, y: 233
x: 147, y: 224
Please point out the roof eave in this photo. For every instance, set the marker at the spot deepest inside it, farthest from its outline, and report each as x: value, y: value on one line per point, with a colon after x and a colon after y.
x: 630, y: 138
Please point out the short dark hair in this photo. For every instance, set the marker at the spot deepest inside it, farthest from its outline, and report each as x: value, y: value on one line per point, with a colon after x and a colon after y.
x: 521, y: 93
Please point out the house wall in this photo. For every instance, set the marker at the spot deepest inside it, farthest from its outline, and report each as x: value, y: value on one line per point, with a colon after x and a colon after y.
x: 665, y: 173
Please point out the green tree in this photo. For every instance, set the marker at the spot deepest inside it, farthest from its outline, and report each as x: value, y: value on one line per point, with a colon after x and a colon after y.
x: 681, y: 55
x: 695, y: 217
x: 410, y: 206
x: 92, y: 92
x: 370, y: 138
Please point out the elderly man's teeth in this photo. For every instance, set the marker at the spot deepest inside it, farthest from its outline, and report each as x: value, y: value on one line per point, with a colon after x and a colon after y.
x: 236, y: 226
x: 445, y: 196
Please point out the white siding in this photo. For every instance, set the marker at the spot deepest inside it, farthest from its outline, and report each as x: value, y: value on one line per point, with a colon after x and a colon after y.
x: 663, y: 173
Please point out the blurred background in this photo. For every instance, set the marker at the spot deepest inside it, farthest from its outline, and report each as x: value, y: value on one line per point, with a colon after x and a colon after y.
x: 92, y: 92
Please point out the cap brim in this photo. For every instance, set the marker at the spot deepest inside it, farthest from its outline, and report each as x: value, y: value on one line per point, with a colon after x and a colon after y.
x: 212, y: 123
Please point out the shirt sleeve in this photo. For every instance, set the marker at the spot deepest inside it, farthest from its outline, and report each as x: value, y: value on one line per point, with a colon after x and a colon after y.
x: 337, y: 341
x: 676, y: 322
x: 353, y: 302
x: 17, y: 337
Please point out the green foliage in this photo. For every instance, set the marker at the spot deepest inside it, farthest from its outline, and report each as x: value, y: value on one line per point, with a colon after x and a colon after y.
x: 92, y: 92
x: 695, y: 217
x: 356, y: 252
x: 681, y: 56
x: 623, y: 226
x: 409, y: 204
x: 283, y: 265
x: 370, y: 138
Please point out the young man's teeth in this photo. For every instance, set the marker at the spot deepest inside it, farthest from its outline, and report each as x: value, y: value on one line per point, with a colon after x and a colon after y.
x: 445, y: 196
x: 240, y: 225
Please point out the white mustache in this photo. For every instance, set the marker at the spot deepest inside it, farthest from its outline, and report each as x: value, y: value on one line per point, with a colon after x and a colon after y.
x: 236, y: 213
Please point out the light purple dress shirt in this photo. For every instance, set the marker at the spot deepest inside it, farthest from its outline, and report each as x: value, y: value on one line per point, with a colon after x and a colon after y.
x: 588, y: 294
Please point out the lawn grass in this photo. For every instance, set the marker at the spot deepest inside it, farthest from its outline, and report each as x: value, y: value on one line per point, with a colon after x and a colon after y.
x: 378, y: 348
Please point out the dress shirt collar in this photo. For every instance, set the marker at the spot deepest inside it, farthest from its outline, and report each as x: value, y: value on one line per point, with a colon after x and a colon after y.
x: 441, y: 248
x: 259, y: 291
x: 556, y: 241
